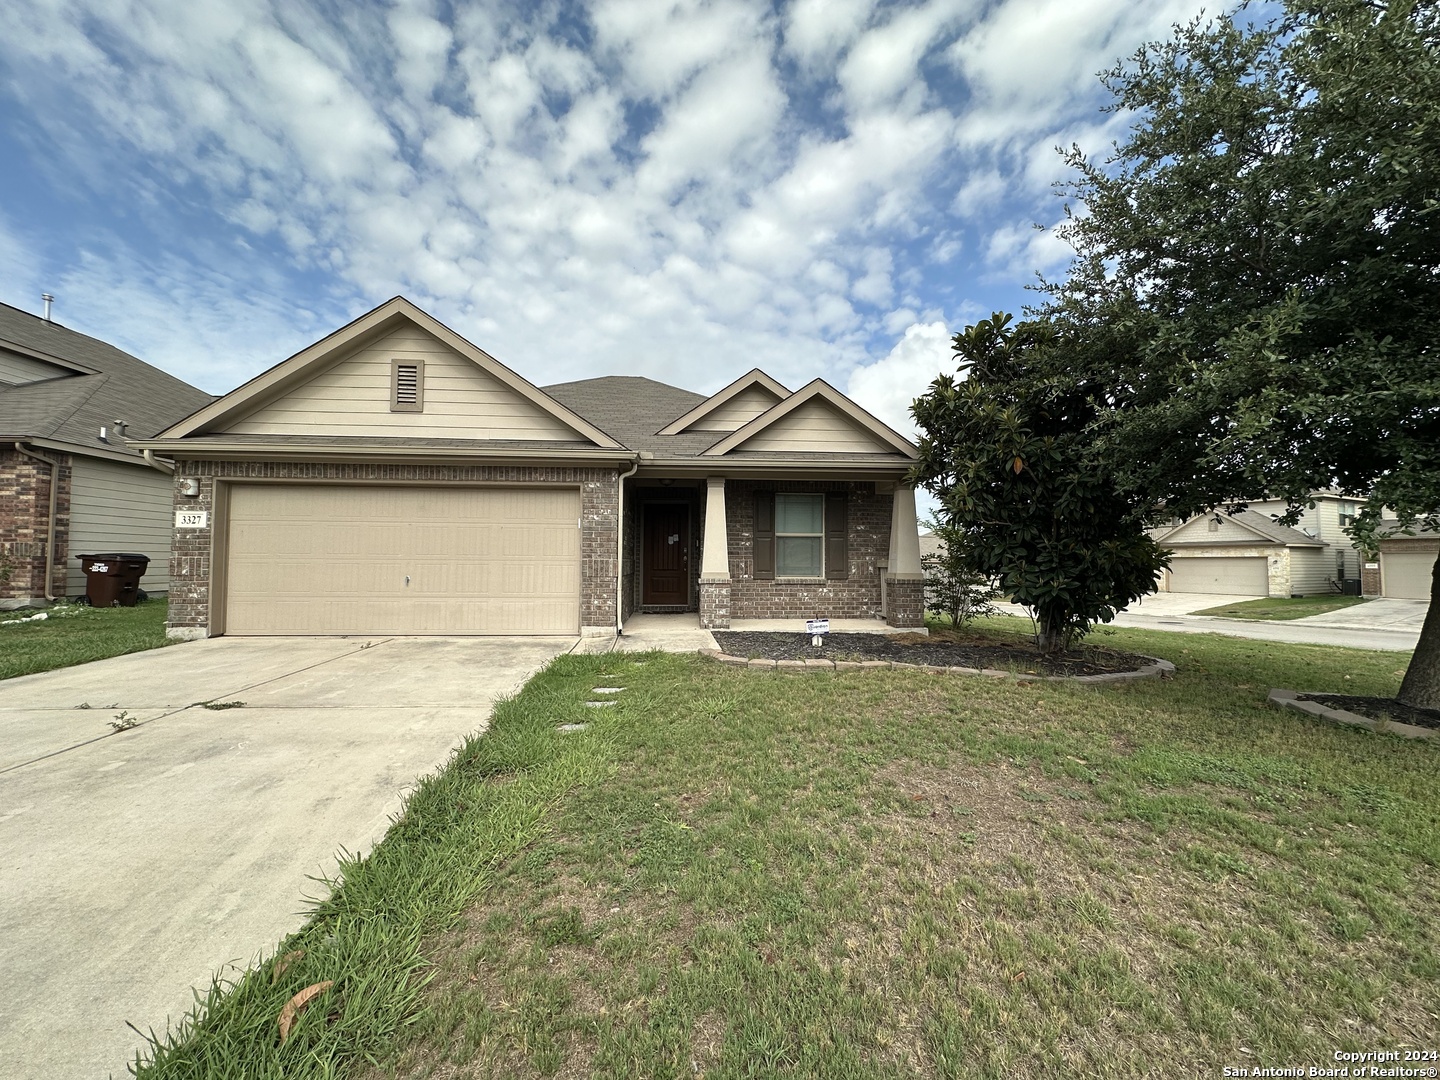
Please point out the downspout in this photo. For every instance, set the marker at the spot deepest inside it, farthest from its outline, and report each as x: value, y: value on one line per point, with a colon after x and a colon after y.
x: 620, y: 542
x: 169, y: 470
x: 50, y: 529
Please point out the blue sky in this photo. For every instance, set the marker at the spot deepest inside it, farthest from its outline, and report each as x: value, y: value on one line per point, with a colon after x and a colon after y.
x: 670, y: 188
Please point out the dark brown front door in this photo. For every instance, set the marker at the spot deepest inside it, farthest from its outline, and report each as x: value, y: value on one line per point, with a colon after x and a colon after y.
x: 667, y: 554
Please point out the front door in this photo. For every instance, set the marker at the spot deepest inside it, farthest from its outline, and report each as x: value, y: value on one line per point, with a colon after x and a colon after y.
x: 666, y: 562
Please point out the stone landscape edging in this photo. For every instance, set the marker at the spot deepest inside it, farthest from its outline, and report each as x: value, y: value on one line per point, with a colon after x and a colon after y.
x: 1156, y: 669
x: 1290, y: 699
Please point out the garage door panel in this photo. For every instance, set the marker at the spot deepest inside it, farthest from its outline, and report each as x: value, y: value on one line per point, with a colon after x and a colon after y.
x: 333, y: 560
x: 1406, y: 574
x: 1228, y: 576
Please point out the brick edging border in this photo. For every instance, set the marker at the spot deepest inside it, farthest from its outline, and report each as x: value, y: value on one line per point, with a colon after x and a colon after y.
x: 1156, y: 669
x: 1290, y: 699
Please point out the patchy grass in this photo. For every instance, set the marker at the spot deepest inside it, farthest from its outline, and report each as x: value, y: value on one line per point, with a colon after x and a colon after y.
x: 75, y: 634
x: 896, y: 874
x: 1283, y: 608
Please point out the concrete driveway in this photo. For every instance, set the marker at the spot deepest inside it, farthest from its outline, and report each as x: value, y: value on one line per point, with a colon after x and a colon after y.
x: 136, y: 865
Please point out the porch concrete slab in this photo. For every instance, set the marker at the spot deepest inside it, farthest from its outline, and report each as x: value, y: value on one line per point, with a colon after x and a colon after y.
x: 667, y: 633
x: 135, y: 868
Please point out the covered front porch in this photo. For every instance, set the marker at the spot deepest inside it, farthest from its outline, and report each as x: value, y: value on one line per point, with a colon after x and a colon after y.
x: 775, y: 550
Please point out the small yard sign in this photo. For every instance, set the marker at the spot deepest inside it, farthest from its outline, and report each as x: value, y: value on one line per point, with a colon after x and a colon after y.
x: 817, y: 629
x: 192, y: 519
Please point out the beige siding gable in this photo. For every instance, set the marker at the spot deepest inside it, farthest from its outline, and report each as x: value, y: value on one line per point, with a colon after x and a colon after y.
x: 818, y: 428
x: 738, y: 411
x: 1203, y: 530
x: 352, y: 398
x: 16, y: 369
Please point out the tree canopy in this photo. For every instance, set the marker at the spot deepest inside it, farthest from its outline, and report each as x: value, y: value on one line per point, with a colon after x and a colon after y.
x: 1005, y: 448
x: 1257, y: 272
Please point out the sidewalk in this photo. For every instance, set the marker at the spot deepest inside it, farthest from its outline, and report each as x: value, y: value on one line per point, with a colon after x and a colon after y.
x: 1174, y: 612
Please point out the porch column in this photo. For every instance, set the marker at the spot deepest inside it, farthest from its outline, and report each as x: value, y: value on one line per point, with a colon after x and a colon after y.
x: 904, y: 581
x: 715, y: 559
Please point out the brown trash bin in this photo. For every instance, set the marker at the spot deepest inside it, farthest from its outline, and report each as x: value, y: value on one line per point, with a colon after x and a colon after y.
x: 112, y: 579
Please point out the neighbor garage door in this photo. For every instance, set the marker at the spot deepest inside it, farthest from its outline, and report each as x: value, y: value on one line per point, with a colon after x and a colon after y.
x: 308, y: 559
x: 1406, y: 574
x: 1246, y: 576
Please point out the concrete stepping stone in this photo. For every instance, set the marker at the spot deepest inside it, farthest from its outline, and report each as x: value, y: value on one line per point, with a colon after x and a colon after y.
x: 567, y: 728
x: 599, y: 704
x: 607, y: 689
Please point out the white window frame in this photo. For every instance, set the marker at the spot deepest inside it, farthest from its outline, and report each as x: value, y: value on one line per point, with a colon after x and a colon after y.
x: 787, y: 535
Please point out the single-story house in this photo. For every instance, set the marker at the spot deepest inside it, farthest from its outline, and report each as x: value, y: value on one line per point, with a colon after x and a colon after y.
x: 70, y: 484
x: 395, y: 478
x: 1244, y: 554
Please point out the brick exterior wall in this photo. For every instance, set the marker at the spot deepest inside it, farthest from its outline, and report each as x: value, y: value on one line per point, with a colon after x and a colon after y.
x: 1369, y: 578
x: 856, y: 597
x: 715, y: 605
x: 190, y: 564
x: 905, y: 598
x: 24, y: 525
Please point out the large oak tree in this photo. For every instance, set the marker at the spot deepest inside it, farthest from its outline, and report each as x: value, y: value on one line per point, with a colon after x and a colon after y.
x: 1258, y: 269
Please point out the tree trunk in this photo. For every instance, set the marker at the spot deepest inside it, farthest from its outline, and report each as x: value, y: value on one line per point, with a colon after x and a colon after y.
x: 1049, y: 634
x: 1421, y: 687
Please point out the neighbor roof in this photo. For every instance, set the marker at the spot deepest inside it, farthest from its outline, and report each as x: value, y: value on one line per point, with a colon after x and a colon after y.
x: 106, y: 384
x: 1260, y: 524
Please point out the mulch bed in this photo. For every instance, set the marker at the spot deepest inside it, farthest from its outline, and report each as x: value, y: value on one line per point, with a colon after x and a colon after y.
x: 921, y: 649
x: 1378, y: 708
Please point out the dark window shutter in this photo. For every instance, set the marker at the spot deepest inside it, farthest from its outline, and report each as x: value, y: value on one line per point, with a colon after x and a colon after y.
x: 764, y: 536
x: 837, y: 536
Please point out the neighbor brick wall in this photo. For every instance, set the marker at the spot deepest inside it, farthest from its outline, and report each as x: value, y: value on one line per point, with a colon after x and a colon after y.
x: 857, y: 597
x: 1369, y: 578
x: 190, y: 564
x: 24, y: 512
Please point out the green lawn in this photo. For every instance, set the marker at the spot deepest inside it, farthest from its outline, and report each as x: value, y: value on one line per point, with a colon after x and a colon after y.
x: 881, y: 873
x: 74, y: 634
x: 1281, y: 608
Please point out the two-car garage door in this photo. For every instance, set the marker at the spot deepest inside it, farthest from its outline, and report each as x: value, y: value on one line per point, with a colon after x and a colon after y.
x: 1247, y: 575
x: 340, y: 559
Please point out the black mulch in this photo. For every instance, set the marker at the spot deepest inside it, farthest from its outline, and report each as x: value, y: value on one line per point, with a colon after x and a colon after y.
x: 920, y: 649
x: 1378, y: 708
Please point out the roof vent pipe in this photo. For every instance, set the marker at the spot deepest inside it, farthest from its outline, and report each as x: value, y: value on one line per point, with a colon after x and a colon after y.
x: 48, y: 301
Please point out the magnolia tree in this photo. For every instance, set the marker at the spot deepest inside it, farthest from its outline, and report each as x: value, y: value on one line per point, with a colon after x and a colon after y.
x: 1006, y: 447
x: 1257, y: 280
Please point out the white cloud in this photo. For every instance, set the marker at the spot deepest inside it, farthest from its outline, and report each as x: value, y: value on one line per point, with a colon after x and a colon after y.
x: 674, y: 201
x: 888, y: 386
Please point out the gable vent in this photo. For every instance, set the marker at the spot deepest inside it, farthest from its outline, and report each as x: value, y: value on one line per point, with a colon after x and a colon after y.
x: 407, y: 386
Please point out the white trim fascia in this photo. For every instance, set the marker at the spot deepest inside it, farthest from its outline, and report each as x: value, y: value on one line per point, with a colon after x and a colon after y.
x: 372, y: 323
x: 753, y: 377
x: 819, y: 388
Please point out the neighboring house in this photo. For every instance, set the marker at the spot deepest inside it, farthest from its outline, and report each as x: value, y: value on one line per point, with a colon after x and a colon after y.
x: 1244, y: 554
x: 395, y: 478
x: 69, y: 483
x: 1325, y: 521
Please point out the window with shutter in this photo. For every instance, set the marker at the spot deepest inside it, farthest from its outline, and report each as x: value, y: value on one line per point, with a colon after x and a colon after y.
x: 799, y: 536
x: 407, y: 386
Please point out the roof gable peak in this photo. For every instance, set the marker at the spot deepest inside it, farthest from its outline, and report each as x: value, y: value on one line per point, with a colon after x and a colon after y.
x: 818, y: 391
x: 728, y: 408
